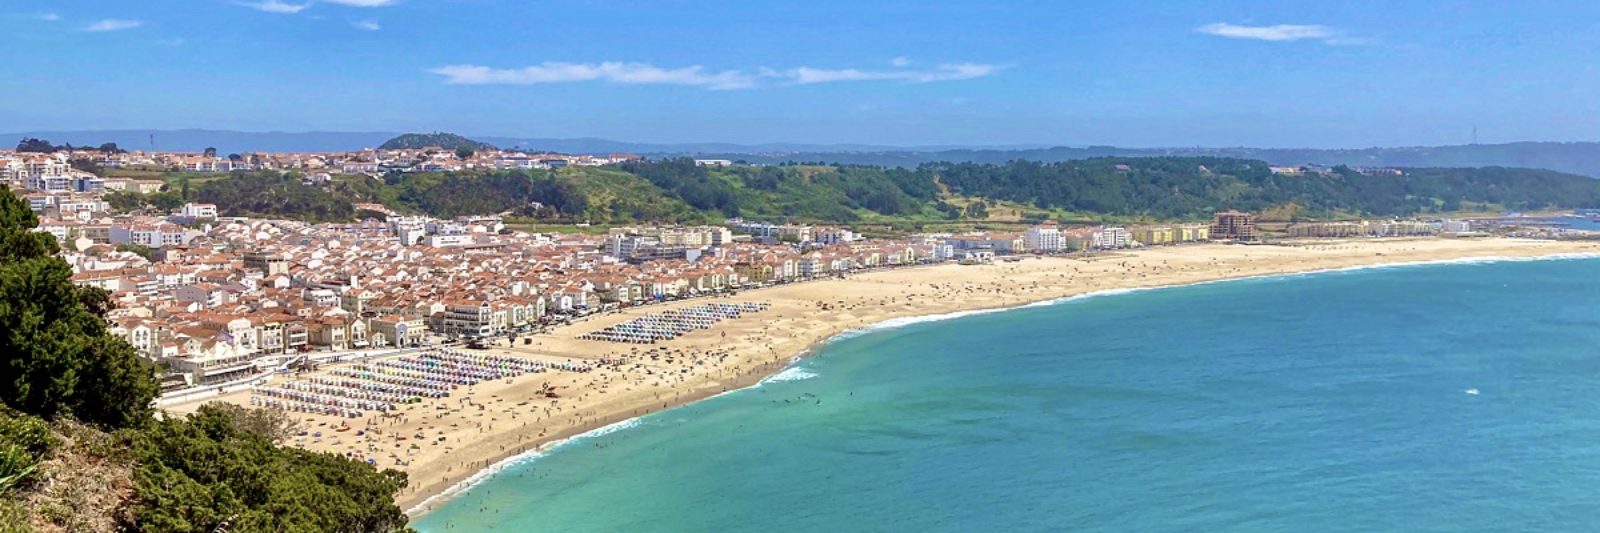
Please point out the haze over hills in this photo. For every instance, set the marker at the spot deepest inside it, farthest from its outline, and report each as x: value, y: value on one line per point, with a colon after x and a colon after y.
x: 226, y: 141
x: 1573, y: 157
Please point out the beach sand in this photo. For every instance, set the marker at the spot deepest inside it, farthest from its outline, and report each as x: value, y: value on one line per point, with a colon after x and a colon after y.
x: 480, y: 426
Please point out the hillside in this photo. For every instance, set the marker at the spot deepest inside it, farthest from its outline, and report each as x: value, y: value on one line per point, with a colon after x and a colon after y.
x: 678, y: 191
x: 448, y: 141
x: 1578, y: 157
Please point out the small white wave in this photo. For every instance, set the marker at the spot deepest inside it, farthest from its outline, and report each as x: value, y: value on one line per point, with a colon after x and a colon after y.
x: 515, y: 460
x: 1088, y: 295
x: 793, y: 373
x: 911, y: 320
x: 607, y: 429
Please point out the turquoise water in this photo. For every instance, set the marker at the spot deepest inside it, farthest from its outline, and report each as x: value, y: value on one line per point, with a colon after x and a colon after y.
x: 1327, y: 402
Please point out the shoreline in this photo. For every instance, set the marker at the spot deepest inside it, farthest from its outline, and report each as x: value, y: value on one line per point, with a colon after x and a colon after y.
x: 765, y: 344
x: 544, y: 448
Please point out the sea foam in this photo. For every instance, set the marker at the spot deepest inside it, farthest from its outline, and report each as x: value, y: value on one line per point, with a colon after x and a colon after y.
x: 793, y: 373
x: 516, y: 460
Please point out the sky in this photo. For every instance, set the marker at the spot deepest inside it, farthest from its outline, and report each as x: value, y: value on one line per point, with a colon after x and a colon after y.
x: 953, y: 72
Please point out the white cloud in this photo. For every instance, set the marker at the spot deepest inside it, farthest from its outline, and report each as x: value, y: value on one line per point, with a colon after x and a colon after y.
x: 1278, y: 32
x: 958, y: 71
x: 615, y: 72
x: 363, y: 3
x: 900, y: 61
x: 49, y: 17
x: 113, y: 25
x: 276, y: 6
x: 696, y: 76
x: 368, y: 25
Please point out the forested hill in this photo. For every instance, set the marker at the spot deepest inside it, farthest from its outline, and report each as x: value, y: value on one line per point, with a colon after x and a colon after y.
x: 677, y: 190
x: 448, y: 141
x: 1191, y: 187
x: 1157, y: 188
x: 1575, y: 157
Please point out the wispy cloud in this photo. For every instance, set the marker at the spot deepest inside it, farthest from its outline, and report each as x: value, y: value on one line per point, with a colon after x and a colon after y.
x: 616, y: 72
x: 276, y: 6
x: 900, y: 61
x: 368, y: 25
x: 364, y: 3
x: 113, y: 25
x: 48, y: 17
x: 696, y: 76
x: 958, y: 71
x: 1277, y: 32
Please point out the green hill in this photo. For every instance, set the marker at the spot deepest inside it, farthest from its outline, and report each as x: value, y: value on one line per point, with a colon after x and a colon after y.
x: 448, y: 141
x: 1110, y: 188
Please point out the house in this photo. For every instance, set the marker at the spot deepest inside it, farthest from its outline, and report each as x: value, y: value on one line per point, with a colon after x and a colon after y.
x: 397, y: 330
x: 196, y: 211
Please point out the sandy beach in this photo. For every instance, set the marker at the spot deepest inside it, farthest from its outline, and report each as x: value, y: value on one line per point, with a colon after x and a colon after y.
x: 479, y: 426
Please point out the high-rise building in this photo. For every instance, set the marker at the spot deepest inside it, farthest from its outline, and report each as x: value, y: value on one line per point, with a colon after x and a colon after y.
x: 1233, y: 225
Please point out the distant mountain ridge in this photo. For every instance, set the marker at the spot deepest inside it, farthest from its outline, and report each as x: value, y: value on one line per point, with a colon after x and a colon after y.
x: 1573, y: 157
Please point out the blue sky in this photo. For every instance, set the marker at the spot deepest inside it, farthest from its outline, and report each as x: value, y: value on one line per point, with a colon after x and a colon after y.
x: 1125, y: 72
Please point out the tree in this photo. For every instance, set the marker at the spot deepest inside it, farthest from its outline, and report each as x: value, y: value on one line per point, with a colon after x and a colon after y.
x: 211, y: 152
x: 464, y: 151
x: 208, y: 470
x: 111, y: 148
x: 31, y: 144
x: 56, y: 355
x: 978, y: 210
x: 87, y: 165
x: 276, y: 425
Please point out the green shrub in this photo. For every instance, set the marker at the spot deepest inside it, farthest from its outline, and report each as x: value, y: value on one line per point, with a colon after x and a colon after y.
x: 29, y: 433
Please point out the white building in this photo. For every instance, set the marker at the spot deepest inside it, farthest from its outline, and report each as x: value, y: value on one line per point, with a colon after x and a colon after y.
x: 1043, y: 238
x: 473, y: 319
x: 447, y: 240
x: 48, y: 183
x: 410, y: 230
x: 193, y: 210
x: 155, y: 235
x: 1112, y: 237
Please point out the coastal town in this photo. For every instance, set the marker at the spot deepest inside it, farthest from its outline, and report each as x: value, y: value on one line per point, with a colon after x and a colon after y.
x: 218, y: 300
x: 399, y: 339
x: 424, y: 266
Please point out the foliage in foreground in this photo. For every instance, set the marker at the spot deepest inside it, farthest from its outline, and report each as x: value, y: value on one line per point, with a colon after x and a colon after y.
x: 208, y: 471
x: 218, y: 467
x: 24, y: 441
x: 55, y: 353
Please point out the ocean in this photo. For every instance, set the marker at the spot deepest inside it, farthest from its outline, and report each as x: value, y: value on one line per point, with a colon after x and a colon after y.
x: 1453, y: 397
